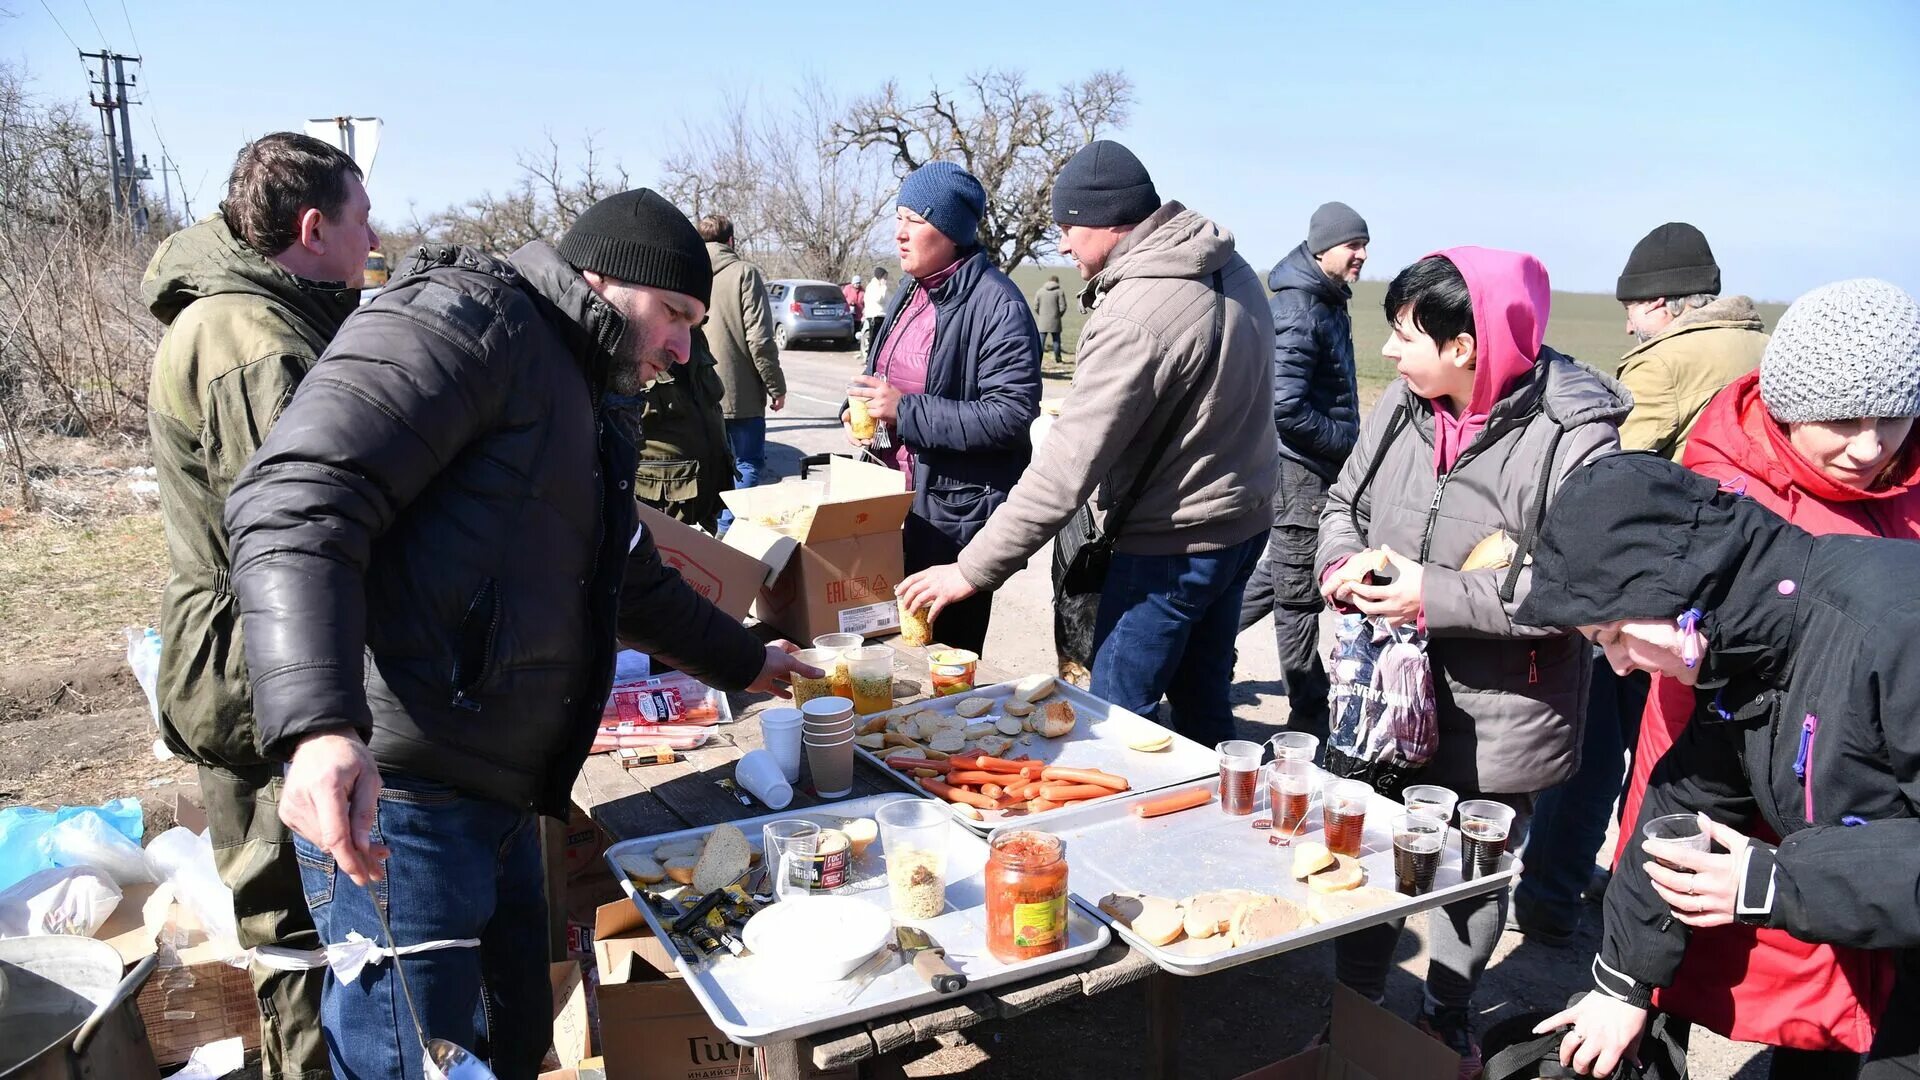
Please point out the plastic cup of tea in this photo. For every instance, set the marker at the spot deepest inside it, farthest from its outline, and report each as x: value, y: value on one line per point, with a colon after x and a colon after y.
x: 1239, y: 776
x: 1343, y: 812
x: 1295, y: 745
x: 1290, y: 785
x: 1417, y: 841
x: 805, y: 689
x: 1430, y: 799
x: 913, y: 836
x: 1673, y: 832
x: 780, y: 730
x: 870, y: 668
x: 839, y: 642
x: 788, y: 847
x: 758, y: 771
x: 1484, y: 827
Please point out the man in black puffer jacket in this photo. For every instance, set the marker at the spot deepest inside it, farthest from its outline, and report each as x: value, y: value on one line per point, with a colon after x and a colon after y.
x: 1317, y: 414
x: 429, y: 552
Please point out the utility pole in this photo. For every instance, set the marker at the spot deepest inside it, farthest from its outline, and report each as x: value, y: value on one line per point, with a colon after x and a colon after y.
x: 116, y: 125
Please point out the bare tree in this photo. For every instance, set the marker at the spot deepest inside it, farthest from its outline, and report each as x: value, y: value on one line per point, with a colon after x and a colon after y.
x: 550, y: 194
x: 1014, y: 138
x: 800, y: 201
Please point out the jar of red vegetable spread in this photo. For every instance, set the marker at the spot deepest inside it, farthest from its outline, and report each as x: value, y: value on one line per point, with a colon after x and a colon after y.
x: 1026, y: 894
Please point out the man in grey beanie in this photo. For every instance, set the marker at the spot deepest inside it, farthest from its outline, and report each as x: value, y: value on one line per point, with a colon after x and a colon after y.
x: 1316, y: 413
x: 1171, y: 415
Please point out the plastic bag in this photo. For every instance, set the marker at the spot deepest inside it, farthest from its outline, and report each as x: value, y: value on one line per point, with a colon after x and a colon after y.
x: 69, y: 900
x: 143, y: 655
x: 87, y: 839
x: 184, y: 859
x: 23, y: 831
x: 1385, y: 722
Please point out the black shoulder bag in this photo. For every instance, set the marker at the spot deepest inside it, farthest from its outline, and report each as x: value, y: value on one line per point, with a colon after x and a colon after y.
x: 1083, y: 552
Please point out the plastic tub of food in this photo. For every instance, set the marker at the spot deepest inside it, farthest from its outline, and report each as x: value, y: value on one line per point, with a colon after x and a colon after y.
x: 817, y: 938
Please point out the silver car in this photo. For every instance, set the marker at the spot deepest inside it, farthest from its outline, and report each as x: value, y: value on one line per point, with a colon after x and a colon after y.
x: 810, y: 311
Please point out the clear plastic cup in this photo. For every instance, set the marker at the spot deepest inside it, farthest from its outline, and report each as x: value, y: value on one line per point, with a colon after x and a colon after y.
x: 1430, y: 799
x: 804, y: 689
x: 1291, y: 785
x: 759, y: 772
x: 1673, y: 832
x: 1239, y: 776
x: 1343, y: 809
x: 1418, y: 839
x: 1484, y: 828
x: 837, y: 671
x: 913, y: 835
x: 1295, y: 745
x: 780, y: 730
x: 787, y: 846
x: 870, y: 668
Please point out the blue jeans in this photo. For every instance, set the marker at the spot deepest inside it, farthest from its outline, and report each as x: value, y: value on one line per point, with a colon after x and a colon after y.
x: 1571, y: 819
x: 1166, y: 628
x: 460, y: 868
x: 747, y: 438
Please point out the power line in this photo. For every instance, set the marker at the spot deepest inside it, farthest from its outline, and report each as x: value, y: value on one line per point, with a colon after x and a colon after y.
x: 96, y: 24
x: 63, y: 29
x: 166, y: 154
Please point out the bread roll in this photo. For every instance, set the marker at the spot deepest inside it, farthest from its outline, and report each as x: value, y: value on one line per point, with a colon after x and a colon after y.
x: 1155, y: 918
x: 1265, y: 917
x: 974, y: 707
x: 1310, y: 857
x: 1210, y: 913
x: 726, y: 856
x: 642, y: 868
x: 1345, y: 874
x: 680, y: 868
x: 1035, y: 688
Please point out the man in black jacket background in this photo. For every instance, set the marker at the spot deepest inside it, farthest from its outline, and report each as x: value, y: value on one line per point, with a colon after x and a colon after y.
x: 1317, y: 414
x: 434, y: 554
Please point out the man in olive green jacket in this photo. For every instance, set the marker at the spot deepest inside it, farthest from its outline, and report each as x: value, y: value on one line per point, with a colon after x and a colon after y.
x: 249, y: 297
x: 1693, y: 341
x: 684, y: 461
x: 739, y: 330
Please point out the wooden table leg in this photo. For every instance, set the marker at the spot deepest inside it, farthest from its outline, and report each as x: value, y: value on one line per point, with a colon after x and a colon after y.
x: 785, y: 1061
x: 1163, y: 1025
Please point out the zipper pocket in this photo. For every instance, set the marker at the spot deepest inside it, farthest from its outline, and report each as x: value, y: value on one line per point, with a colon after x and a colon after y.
x: 473, y: 659
x: 1803, y: 760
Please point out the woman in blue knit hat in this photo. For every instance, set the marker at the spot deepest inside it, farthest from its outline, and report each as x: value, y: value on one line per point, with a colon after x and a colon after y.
x: 952, y: 380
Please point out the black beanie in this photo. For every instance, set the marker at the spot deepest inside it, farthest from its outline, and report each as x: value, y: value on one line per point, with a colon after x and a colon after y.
x: 641, y: 239
x: 1671, y: 261
x: 1104, y: 184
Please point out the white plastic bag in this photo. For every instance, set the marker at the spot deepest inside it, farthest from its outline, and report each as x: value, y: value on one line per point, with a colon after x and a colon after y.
x: 184, y: 859
x: 88, y: 840
x: 143, y: 655
x: 67, y: 900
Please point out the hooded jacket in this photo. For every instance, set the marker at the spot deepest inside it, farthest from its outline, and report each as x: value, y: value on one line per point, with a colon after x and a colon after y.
x: 1673, y: 374
x: 1149, y: 340
x: 1049, y: 307
x: 1752, y: 983
x: 241, y: 334
x: 1511, y: 697
x: 739, y: 330
x: 1315, y: 399
x: 430, y: 547
x: 1802, y: 716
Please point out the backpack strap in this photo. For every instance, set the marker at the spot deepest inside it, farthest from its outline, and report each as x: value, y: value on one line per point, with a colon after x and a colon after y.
x: 1402, y: 417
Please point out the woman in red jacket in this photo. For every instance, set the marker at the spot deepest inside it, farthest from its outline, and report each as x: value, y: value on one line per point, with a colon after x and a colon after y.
x: 1822, y: 436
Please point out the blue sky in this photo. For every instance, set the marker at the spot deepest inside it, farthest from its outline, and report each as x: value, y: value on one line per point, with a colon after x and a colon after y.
x: 1790, y: 133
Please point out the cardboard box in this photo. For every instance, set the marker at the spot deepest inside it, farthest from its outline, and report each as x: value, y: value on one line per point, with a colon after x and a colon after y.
x: 651, y: 1025
x: 196, y: 996
x: 583, y: 843
x: 729, y: 577
x: 836, y: 549
x: 1367, y: 1043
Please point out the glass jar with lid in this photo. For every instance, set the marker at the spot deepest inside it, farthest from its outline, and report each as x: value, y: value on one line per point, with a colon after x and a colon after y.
x: 1026, y: 885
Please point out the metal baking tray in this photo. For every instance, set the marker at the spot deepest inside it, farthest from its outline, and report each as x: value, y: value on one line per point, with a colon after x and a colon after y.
x: 1098, y: 741
x: 1198, y: 850
x: 754, y: 1010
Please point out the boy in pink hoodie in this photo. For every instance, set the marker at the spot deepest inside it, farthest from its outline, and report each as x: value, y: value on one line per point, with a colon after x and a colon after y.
x: 1472, y: 440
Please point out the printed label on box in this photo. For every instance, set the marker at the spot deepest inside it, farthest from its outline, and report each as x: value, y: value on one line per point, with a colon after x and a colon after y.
x: 863, y: 620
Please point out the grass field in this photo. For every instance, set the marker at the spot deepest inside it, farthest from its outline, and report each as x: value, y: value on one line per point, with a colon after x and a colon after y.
x: 1589, y: 327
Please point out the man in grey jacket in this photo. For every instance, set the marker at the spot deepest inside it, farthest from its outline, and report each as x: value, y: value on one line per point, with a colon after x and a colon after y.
x: 739, y: 330
x: 1175, y: 365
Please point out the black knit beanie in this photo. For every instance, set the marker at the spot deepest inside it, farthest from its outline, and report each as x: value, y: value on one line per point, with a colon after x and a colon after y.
x: 1671, y: 261
x: 1104, y: 184
x: 641, y: 239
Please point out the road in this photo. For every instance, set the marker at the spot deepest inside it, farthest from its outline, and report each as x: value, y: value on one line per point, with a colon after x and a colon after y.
x: 1219, y: 1042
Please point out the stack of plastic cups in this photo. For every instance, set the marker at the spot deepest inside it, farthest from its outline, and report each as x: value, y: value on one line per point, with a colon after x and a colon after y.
x: 827, y: 733
x: 780, y: 730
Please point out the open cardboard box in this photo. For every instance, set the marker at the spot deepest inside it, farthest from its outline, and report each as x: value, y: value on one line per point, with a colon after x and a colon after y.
x: 728, y: 576
x: 651, y: 1025
x: 1367, y: 1043
x: 836, y: 550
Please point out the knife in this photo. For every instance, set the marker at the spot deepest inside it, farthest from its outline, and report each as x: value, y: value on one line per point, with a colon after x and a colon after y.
x: 929, y: 960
